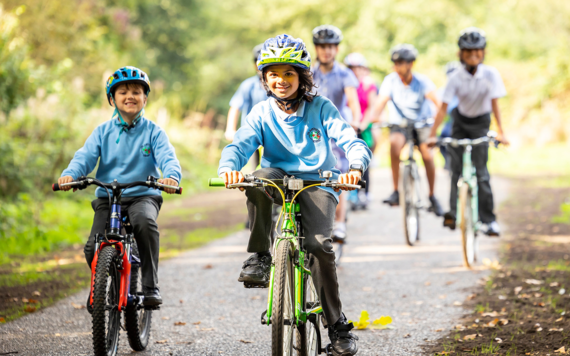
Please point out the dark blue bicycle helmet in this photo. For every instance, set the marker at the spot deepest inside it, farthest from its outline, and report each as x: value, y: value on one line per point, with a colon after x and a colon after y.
x: 472, y: 38
x: 403, y: 52
x: 326, y: 34
x: 127, y: 75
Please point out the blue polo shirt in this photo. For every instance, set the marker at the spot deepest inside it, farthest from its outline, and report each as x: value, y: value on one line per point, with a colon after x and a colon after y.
x: 249, y: 93
x: 331, y: 85
x: 408, y: 100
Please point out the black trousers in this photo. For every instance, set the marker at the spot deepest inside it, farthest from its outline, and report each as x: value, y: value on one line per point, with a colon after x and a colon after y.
x: 466, y: 127
x: 142, y: 212
x: 317, y: 210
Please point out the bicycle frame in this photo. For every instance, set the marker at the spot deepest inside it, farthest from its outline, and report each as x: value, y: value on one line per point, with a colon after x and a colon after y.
x: 291, y: 224
x: 412, y: 162
x: 469, y: 177
x: 123, y: 245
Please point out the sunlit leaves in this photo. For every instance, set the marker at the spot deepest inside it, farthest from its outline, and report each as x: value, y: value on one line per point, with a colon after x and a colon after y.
x: 364, y: 322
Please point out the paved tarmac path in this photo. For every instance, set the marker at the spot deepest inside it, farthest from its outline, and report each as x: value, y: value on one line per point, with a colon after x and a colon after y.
x: 419, y: 287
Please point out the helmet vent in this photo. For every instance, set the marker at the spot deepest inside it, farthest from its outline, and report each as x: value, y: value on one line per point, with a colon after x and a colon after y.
x: 125, y: 75
x: 134, y: 73
x: 116, y: 76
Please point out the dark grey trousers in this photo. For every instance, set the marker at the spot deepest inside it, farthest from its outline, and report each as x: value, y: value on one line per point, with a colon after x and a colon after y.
x: 465, y: 127
x: 142, y: 212
x: 317, y: 217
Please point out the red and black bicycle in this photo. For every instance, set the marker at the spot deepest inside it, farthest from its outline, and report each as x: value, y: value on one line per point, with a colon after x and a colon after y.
x: 116, y: 278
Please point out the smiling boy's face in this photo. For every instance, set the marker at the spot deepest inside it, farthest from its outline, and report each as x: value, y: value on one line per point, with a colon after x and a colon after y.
x: 472, y: 57
x: 130, y: 99
x: 282, y: 80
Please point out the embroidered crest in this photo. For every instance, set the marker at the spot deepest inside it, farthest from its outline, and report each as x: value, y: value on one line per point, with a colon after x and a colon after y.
x: 315, y: 135
x: 145, y: 149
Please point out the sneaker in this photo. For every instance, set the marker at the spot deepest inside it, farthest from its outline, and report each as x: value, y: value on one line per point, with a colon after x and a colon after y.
x: 493, y: 229
x: 449, y: 220
x: 343, y: 343
x: 256, y: 269
x: 393, y: 199
x: 435, y: 206
x: 152, y: 297
x: 339, y: 232
x: 362, y: 200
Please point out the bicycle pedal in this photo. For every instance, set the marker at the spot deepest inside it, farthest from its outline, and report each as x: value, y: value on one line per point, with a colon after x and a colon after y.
x: 252, y: 285
x: 152, y: 307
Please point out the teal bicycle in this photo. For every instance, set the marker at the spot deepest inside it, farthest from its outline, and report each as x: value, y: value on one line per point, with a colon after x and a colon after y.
x: 293, y: 307
x: 468, y: 196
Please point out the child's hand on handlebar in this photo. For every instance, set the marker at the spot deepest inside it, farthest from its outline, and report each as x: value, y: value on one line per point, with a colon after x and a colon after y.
x: 431, y: 141
x: 169, y: 181
x: 232, y: 177
x: 353, y: 177
x: 66, y: 179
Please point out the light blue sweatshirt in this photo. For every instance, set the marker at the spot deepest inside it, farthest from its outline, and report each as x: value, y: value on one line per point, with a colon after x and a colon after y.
x: 141, y: 152
x: 298, y: 144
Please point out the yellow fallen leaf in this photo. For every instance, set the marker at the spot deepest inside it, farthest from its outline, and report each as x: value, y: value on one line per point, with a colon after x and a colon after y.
x: 492, y: 323
x: 363, y: 322
x: 503, y: 321
x: 561, y: 350
x: 246, y: 341
x: 77, y: 306
x: 36, y: 293
x: 161, y: 341
x: 470, y: 337
x: 2, y: 320
x: 179, y: 323
x: 383, y: 320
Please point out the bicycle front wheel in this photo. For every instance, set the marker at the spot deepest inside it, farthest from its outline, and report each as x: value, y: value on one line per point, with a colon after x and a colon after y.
x: 106, y: 315
x: 307, y: 340
x: 137, y: 319
x: 468, y: 238
x: 282, y: 313
x: 409, y: 203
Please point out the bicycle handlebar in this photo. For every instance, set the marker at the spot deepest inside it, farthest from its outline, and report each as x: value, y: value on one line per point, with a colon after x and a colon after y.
x: 466, y: 141
x: 219, y: 182
x: 83, y: 183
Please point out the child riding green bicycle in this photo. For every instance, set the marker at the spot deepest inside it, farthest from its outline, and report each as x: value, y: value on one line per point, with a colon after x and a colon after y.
x: 295, y: 126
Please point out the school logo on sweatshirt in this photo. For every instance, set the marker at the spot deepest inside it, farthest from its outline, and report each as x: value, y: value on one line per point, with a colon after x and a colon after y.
x: 315, y: 135
x: 145, y: 150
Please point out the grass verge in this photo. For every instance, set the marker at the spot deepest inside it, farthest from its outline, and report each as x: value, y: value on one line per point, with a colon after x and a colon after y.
x: 524, y: 307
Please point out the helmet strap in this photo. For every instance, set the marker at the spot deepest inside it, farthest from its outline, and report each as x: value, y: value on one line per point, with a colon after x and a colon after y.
x: 288, y: 103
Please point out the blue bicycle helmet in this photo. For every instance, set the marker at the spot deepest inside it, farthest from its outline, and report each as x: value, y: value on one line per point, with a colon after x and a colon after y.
x: 403, y: 52
x: 127, y: 75
x: 472, y: 38
x: 326, y: 34
x: 284, y: 49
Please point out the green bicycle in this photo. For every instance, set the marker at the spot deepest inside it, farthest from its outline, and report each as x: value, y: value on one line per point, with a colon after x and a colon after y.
x: 468, y: 196
x: 293, y: 307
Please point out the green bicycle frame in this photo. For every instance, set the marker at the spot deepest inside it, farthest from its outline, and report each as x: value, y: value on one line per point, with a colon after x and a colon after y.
x: 469, y: 177
x: 299, y: 269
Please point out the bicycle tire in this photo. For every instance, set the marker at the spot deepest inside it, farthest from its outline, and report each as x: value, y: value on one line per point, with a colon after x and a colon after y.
x: 106, y: 291
x: 307, y: 332
x: 282, y: 312
x: 411, y: 214
x: 468, y: 238
x: 137, y: 320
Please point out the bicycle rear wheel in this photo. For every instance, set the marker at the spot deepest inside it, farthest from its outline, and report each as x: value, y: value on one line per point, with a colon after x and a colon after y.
x: 307, y: 333
x: 408, y: 202
x: 282, y: 313
x: 468, y: 237
x: 137, y: 318
x: 106, y: 315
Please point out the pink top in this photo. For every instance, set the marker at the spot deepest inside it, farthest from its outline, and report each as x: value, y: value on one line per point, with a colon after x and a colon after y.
x: 364, y: 89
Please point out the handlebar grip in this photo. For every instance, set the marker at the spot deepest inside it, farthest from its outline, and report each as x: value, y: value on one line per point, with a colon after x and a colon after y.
x: 55, y: 187
x: 178, y: 191
x: 362, y: 183
x: 216, y: 182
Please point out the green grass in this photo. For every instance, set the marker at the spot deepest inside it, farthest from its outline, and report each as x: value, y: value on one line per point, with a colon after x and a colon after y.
x: 172, y: 243
x: 564, y: 216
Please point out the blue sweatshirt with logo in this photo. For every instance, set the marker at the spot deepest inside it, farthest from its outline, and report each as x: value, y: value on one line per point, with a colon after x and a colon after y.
x: 298, y: 144
x: 142, y: 151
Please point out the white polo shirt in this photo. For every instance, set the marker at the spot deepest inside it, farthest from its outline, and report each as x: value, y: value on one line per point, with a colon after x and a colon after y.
x: 474, y: 92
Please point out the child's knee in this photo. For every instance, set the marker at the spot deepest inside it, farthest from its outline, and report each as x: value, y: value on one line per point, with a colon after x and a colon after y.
x: 319, y: 246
